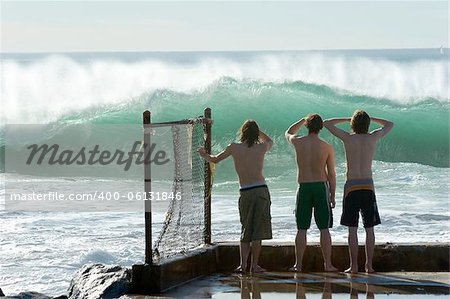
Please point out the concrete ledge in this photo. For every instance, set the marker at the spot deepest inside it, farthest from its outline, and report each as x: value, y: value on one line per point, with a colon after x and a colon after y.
x: 387, y: 257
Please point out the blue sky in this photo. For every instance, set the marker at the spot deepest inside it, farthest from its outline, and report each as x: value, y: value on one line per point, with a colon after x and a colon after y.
x: 42, y: 26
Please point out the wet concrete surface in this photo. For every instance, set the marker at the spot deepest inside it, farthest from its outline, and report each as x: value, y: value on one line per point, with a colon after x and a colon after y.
x: 279, y: 285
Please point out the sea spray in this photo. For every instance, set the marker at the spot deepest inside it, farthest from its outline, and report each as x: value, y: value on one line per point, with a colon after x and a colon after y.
x: 49, y: 86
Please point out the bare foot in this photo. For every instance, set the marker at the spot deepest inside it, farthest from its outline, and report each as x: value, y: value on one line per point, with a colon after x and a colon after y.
x: 239, y: 269
x: 370, y: 270
x: 351, y: 270
x: 258, y: 269
x: 330, y: 268
x: 295, y: 268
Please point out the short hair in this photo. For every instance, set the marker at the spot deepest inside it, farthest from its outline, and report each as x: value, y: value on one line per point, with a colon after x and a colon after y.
x: 360, y: 122
x: 314, y: 123
x: 249, y: 132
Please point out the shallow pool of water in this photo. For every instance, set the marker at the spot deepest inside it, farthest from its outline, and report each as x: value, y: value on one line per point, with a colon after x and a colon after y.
x: 316, y: 285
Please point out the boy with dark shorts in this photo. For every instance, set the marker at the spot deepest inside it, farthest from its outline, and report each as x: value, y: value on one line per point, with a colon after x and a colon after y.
x: 254, y: 200
x: 359, y: 195
x: 317, y: 184
x: 359, y: 192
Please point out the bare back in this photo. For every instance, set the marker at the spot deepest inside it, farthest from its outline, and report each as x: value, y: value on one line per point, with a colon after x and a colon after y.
x: 312, y: 154
x: 248, y: 162
x: 359, y: 151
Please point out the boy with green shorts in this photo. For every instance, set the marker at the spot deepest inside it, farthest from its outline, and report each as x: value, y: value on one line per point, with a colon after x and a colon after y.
x: 317, y: 184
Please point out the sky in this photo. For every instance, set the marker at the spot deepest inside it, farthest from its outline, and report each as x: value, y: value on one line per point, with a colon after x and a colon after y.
x: 86, y: 26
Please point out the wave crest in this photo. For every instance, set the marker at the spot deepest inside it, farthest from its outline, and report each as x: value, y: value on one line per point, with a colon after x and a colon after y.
x: 43, y: 90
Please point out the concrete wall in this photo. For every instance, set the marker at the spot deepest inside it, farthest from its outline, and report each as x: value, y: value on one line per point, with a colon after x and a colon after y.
x: 387, y: 257
x: 161, y: 276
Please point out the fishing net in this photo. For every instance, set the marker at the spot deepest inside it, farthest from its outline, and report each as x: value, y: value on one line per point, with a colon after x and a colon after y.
x: 184, y: 225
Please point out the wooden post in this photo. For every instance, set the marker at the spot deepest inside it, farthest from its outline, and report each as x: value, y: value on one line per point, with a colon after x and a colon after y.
x: 146, y: 119
x: 208, y: 179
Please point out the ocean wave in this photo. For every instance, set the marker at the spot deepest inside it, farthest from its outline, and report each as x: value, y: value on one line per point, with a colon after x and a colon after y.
x: 275, y: 106
x: 43, y: 90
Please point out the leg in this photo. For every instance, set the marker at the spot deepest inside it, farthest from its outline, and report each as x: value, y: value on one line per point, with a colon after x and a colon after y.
x: 325, y: 245
x: 370, y: 291
x: 246, y: 230
x: 256, y: 250
x: 300, y: 246
x: 300, y: 291
x: 369, y: 212
x: 303, y: 214
x: 244, y: 251
x: 353, y: 291
x: 370, y: 245
x: 327, y: 292
x: 256, y: 293
x: 353, y: 249
x: 245, y: 290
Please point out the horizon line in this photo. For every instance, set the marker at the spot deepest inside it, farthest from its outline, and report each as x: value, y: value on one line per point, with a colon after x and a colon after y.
x: 218, y: 51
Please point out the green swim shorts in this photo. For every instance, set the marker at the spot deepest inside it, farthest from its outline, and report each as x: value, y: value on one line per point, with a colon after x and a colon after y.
x: 254, y: 212
x: 313, y: 195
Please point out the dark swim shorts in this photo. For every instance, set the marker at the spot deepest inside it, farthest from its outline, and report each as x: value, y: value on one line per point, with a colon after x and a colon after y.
x: 313, y: 195
x: 359, y: 196
x: 254, y: 212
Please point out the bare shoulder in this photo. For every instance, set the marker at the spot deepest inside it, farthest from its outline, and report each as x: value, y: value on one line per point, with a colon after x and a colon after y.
x: 374, y: 136
x: 262, y: 146
x: 231, y: 146
x: 362, y: 138
x: 299, y: 139
x: 328, y: 147
x: 352, y: 137
x: 324, y: 142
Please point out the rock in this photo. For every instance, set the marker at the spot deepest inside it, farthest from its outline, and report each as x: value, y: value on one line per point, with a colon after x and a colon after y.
x: 29, y: 295
x: 100, y: 281
x: 1, y: 293
x: 61, y: 297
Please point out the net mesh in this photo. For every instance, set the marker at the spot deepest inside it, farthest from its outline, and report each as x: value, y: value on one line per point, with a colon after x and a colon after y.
x: 183, y: 227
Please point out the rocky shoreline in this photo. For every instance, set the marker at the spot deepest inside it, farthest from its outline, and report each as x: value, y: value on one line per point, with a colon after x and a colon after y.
x: 91, y: 281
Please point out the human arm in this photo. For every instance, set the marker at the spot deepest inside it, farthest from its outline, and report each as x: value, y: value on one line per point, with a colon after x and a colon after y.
x: 331, y: 176
x: 331, y: 123
x: 386, y: 127
x: 215, y: 158
x: 265, y: 139
x: 290, y: 132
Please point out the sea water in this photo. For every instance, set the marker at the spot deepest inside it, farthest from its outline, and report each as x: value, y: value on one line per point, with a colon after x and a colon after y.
x: 40, y: 251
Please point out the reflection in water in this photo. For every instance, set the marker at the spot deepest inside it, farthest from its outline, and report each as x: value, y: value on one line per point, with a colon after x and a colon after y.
x: 250, y: 289
x: 354, y: 287
x: 300, y: 291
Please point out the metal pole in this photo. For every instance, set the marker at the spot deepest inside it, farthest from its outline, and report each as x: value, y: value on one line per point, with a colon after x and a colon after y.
x: 146, y: 120
x: 208, y: 179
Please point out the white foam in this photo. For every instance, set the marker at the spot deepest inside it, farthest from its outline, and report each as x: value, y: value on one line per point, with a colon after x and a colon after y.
x: 43, y: 90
